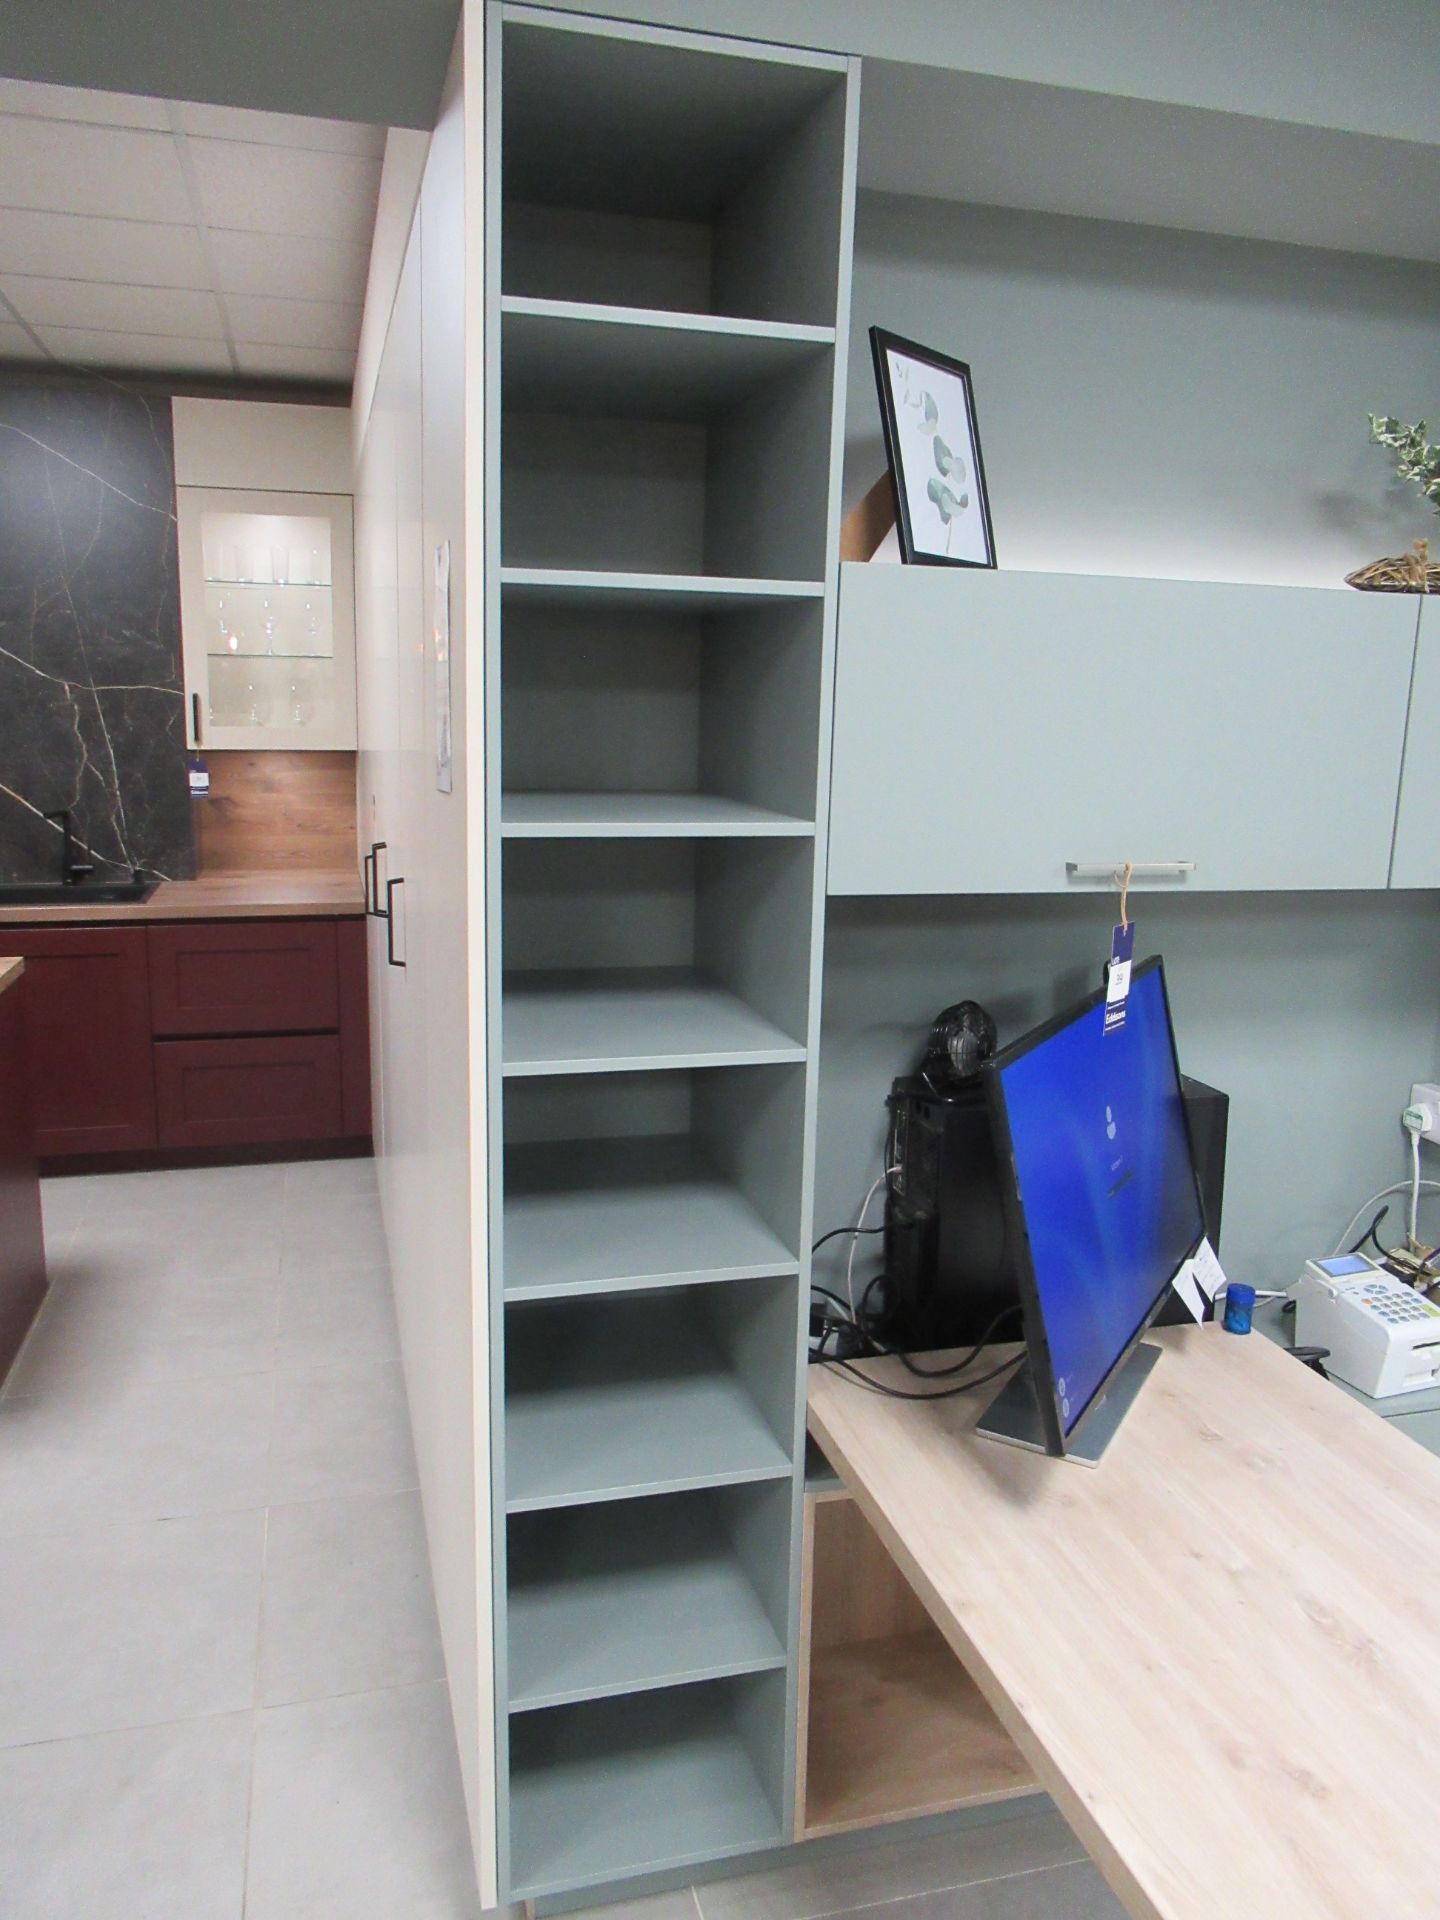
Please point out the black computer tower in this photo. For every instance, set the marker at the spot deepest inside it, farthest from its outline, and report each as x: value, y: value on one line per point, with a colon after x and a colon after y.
x: 948, y: 1266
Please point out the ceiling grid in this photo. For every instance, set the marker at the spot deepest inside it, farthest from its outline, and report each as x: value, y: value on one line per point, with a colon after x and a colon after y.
x: 181, y: 238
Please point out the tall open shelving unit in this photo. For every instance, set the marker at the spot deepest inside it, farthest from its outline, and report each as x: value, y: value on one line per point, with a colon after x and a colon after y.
x: 666, y: 306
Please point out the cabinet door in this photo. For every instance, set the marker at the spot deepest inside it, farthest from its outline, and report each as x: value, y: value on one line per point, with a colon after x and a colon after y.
x: 244, y: 976
x: 267, y: 618
x: 22, y: 1239
x: 240, y: 1093
x: 89, y: 1018
x: 991, y: 727
x: 1417, y: 844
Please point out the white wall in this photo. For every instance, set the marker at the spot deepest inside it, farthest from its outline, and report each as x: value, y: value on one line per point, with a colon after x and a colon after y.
x: 1153, y: 402
x: 419, y: 489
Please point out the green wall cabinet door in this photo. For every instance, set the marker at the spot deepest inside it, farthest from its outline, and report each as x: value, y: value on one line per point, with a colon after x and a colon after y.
x: 1417, y: 843
x: 992, y: 729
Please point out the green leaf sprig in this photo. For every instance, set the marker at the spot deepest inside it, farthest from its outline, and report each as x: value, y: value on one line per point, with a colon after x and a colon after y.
x: 1416, y: 459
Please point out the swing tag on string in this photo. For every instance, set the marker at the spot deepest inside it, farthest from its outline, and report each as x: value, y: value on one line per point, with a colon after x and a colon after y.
x: 1122, y: 950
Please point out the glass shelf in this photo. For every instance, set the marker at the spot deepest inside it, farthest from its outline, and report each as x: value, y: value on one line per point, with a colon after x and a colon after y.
x: 271, y: 586
x: 241, y: 653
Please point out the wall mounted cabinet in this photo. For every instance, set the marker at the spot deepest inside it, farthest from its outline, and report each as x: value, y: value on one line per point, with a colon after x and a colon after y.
x: 1417, y: 846
x: 267, y: 614
x: 991, y: 728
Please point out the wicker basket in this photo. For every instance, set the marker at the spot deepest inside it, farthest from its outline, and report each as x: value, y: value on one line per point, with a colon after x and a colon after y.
x: 1412, y: 572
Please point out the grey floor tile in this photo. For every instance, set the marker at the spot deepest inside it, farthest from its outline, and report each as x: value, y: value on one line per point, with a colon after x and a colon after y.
x: 338, y: 1432
x: 1048, y: 1893
x: 129, y: 1625
x: 842, y: 1880
x: 679, y: 1905
x: 348, y: 1604
x: 141, y: 1825
x: 62, y: 1206
x: 307, y: 1180
x: 357, y: 1812
x: 336, y: 1313
x: 153, y: 1326
x: 149, y: 1450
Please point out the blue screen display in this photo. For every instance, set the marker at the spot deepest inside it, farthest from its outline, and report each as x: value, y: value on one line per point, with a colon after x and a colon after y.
x: 1106, y: 1182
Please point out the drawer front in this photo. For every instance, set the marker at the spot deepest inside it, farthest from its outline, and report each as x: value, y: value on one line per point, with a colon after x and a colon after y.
x: 89, y: 1030
x: 241, y: 1093
x: 244, y: 976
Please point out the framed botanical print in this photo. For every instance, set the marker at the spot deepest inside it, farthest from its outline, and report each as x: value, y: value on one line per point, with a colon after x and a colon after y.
x: 932, y: 441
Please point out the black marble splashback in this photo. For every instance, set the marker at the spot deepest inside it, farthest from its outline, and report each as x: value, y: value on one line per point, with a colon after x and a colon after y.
x: 91, y: 688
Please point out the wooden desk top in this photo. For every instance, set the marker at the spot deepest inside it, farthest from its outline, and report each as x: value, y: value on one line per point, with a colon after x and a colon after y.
x: 1220, y: 1650
x: 219, y: 896
x: 10, y: 972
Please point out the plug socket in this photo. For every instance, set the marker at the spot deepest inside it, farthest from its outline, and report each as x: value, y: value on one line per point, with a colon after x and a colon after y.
x: 1425, y: 1102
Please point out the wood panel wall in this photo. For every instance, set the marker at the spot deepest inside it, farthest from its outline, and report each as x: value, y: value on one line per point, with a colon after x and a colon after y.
x: 277, y: 812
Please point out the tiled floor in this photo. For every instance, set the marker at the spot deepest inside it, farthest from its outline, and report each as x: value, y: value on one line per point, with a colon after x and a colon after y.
x: 221, y: 1691
x: 221, y: 1687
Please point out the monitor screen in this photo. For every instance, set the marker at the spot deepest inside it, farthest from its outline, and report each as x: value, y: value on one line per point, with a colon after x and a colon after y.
x: 1105, y: 1181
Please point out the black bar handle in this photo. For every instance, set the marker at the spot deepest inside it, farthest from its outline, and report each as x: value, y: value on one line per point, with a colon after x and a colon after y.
x: 390, y: 886
x: 373, y: 907
x: 367, y: 878
x: 195, y: 715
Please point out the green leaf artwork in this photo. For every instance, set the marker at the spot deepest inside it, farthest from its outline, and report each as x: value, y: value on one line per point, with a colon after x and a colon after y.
x: 1415, y: 459
x: 929, y: 413
x: 948, y: 505
x: 948, y: 463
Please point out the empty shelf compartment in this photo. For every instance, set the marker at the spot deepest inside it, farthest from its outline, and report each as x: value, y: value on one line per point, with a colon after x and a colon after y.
x: 672, y: 718
x: 649, y: 1392
x: 612, y: 1788
x: 626, y: 954
x: 682, y: 174
x: 633, y: 1595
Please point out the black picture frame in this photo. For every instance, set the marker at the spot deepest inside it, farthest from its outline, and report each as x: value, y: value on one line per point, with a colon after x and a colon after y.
x: 917, y: 547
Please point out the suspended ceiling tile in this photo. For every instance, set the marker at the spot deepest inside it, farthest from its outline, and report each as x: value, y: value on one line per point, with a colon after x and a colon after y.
x: 288, y: 266
x: 281, y: 129
x: 149, y: 352
x: 294, y: 323
x: 36, y: 99
x: 76, y: 246
x: 114, y: 309
x: 297, y: 363
x: 63, y: 167
x: 263, y: 189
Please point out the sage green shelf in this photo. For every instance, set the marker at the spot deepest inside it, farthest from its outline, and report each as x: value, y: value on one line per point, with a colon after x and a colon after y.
x: 644, y: 816
x: 627, y: 1597
x: 699, y: 592
x: 596, y: 1216
x: 635, y: 1395
x: 634, y: 1785
x: 625, y: 1019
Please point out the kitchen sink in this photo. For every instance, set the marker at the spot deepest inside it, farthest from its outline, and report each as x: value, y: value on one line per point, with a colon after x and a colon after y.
x: 78, y: 894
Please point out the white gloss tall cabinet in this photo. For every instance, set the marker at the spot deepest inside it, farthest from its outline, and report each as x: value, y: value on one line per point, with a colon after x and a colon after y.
x: 611, y: 383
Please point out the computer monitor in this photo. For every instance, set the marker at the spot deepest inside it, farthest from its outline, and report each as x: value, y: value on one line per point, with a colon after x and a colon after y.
x: 1104, y: 1206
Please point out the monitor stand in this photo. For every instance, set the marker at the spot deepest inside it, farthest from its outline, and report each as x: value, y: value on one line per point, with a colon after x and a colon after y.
x: 1013, y: 1416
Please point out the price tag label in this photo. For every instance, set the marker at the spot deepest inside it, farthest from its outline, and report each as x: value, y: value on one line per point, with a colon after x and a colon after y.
x: 199, y: 777
x: 1117, y: 976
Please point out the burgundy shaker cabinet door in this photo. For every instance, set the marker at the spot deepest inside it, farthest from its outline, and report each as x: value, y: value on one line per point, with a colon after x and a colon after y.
x: 89, y: 1033
x: 249, y: 1092
x: 244, y: 976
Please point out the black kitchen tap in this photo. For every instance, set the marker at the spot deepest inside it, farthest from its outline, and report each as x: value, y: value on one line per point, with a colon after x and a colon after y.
x: 72, y: 870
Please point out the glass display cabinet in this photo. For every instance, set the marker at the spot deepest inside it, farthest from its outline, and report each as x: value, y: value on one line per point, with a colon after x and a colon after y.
x: 268, y: 618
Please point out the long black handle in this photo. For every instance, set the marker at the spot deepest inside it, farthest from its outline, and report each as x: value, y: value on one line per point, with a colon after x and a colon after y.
x: 390, y: 886
x: 195, y: 715
x: 373, y: 906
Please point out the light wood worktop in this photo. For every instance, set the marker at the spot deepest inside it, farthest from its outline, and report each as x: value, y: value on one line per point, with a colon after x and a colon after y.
x: 10, y: 972
x: 222, y: 896
x: 1218, y: 1650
